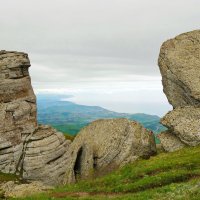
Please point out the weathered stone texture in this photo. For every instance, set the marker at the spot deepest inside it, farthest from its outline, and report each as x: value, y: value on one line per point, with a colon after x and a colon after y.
x: 40, y: 153
x: 104, y: 143
x: 16, y: 190
x: 17, y: 109
x: 36, y: 153
x: 185, y: 124
x: 179, y: 63
x: 170, y: 142
x: 14, y: 77
x: 45, y: 157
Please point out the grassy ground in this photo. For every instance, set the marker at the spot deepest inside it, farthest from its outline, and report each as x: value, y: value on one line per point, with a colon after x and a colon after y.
x: 7, y: 177
x: 167, y: 176
x: 69, y: 137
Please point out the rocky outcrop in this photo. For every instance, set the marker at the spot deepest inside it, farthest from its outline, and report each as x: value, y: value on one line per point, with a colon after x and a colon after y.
x: 185, y: 124
x: 16, y: 190
x: 108, y: 144
x: 40, y: 153
x: 17, y: 109
x: 36, y: 153
x: 45, y: 156
x: 170, y: 142
x: 179, y: 63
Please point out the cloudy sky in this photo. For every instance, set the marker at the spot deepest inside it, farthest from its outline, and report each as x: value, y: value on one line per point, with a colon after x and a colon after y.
x: 103, y: 52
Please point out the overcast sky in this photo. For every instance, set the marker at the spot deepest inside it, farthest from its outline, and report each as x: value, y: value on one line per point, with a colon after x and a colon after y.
x: 104, y: 52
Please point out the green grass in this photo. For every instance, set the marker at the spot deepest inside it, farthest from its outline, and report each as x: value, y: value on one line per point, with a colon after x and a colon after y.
x: 166, y: 176
x: 71, y: 129
x: 68, y: 136
x: 7, y: 177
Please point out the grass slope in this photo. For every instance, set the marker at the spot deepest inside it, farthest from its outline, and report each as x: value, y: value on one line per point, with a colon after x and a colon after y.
x: 7, y: 177
x: 166, y: 176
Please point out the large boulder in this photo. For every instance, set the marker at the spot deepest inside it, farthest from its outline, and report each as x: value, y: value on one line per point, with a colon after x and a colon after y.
x: 170, y: 142
x: 185, y: 124
x: 179, y: 63
x: 106, y: 144
x: 34, y: 153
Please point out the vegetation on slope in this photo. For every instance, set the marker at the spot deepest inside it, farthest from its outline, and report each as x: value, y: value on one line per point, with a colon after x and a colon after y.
x: 7, y: 177
x: 69, y: 137
x: 166, y: 176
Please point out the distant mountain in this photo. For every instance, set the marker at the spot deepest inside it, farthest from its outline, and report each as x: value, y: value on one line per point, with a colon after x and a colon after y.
x: 69, y: 117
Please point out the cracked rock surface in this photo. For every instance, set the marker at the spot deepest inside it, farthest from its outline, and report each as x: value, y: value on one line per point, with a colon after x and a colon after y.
x: 108, y: 143
x: 185, y: 124
x: 35, y: 153
x: 179, y: 63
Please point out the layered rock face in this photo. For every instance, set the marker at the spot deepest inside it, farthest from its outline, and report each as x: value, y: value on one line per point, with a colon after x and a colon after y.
x: 106, y: 144
x: 45, y: 157
x: 36, y: 153
x: 179, y: 63
x: 17, y: 109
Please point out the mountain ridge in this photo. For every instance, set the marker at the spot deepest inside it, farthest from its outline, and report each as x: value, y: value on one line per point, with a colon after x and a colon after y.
x: 70, y: 117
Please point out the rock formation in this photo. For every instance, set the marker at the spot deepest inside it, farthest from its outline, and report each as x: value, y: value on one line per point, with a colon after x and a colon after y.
x: 170, y: 142
x: 45, y: 156
x: 107, y: 144
x: 179, y: 63
x: 14, y: 190
x: 36, y: 153
x: 185, y: 124
x: 40, y: 153
x: 17, y: 109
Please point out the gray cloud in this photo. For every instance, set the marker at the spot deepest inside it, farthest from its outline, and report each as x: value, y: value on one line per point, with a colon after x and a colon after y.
x: 103, y: 52
x: 92, y: 38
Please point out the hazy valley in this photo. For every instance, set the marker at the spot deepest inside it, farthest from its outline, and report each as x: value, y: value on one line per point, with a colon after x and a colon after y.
x: 69, y: 117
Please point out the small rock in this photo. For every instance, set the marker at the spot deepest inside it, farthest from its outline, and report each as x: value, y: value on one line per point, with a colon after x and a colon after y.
x: 170, y: 142
x: 14, y: 190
